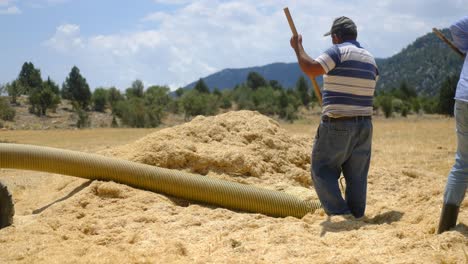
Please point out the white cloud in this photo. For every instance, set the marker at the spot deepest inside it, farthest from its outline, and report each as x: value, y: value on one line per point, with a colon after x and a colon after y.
x: 7, y: 7
x: 156, y: 16
x: 172, y: 2
x: 198, y: 38
x: 44, y: 3
x: 5, y: 2
x: 53, y: 2
x: 66, y: 39
x: 126, y: 44
x: 12, y: 10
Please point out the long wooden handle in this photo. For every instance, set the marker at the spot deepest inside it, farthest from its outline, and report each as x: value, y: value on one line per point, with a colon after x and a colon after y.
x: 294, y: 31
x: 444, y: 39
x: 290, y: 21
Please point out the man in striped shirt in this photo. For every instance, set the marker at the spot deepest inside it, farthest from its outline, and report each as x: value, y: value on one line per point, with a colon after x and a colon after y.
x: 343, y: 140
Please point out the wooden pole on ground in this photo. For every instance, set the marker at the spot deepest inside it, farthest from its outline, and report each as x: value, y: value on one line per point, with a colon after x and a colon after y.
x: 444, y: 39
x: 294, y: 31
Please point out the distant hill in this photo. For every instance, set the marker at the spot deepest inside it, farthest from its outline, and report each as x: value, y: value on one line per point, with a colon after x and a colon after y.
x: 424, y: 64
x: 286, y: 74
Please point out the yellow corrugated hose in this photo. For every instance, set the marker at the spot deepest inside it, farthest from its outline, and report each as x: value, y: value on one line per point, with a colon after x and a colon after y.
x: 171, y: 182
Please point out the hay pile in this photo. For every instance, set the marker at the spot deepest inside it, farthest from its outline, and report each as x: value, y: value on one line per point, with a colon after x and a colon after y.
x: 107, y: 222
x: 241, y: 146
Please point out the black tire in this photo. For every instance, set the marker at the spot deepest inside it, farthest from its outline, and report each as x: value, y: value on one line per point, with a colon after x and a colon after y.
x: 7, y: 209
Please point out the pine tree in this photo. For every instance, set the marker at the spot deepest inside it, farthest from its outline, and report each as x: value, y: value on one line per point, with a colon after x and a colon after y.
x: 255, y: 80
x: 76, y: 88
x: 407, y: 92
x: 447, y: 94
x: 136, y: 90
x: 114, y: 96
x: 14, y: 90
x: 302, y: 89
x: 29, y: 78
x: 201, y: 87
x: 100, y: 99
x: 53, y: 86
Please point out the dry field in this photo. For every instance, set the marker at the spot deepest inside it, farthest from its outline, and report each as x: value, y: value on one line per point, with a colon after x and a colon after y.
x: 61, y: 219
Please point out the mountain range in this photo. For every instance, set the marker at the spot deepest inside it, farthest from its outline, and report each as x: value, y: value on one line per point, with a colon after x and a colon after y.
x: 424, y: 65
x: 286, y: 74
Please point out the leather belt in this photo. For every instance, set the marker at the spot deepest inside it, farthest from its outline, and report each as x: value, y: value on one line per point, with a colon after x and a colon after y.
x: 326, y: 118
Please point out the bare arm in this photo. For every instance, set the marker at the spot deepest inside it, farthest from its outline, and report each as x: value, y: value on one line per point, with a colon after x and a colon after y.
x: 308, y: 65
x: 459, y: 31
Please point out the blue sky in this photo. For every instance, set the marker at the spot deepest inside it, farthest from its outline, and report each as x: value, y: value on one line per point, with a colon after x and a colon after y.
x: 174, y: 42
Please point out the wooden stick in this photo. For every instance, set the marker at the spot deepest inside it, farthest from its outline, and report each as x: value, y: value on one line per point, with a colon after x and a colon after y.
x: 290, y: 21
x: 294, y: 31
x: 444, y: 39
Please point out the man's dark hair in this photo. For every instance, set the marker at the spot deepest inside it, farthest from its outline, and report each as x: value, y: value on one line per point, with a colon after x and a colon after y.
x: 346, y: 35
x: 344, y: 28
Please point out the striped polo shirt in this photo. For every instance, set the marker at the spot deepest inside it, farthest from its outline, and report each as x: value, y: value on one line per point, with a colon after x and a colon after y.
x: 349, y: 81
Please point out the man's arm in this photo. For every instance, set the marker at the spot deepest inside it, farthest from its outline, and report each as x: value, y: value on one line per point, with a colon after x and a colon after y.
x: 459, y: 32
x: 308, y: 65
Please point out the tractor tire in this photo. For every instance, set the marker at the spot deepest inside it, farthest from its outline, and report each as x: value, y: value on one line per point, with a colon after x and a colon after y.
x: 7, y: 209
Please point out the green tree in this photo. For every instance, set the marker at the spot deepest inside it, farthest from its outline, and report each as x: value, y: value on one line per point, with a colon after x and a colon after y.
x: 7, y: 113
x: 416, y: 105
x: 100, y: 99
x: 146, y: 111
x: 201, y: 87
x: 195, y: 103
x: 29, y: 78
x: 53, y: 86
x: 397, y: 104
x: 14, y: 90
x: 242, y: 95
x: 447, y: 94
x: 175, y: 106
x: 157, y: 95
x: 42, y: 99
x: 275, y: 85
x: 283, y: 103
x: 137, y: 89
x: 50, y: 96
x: 83, y: 120
x: 156, y: 101
x: 386, y: 102
x: 132, y: 112
x: 429, y: 104
x: 255, y: 80
x: 289, y: 104
x: 76, y: 88
x: 404, y: 110
x: 179, y: 92
x: 407, y: 92
x: 266, y: 99
x: 217, y: 92
x: 65, y: 92
x: 302, y: 89
x: 114, y: 96
x: 225, y: 101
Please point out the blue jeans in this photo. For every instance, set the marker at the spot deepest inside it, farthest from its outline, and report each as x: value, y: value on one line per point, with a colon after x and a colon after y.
x: 458, y: 177
x: 342, y: 146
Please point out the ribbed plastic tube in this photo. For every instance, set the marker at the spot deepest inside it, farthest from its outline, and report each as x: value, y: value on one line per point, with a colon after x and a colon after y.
x: 171, y: 182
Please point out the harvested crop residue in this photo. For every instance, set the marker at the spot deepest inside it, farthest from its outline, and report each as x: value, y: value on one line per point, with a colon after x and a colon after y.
x: 107, y: 222
x: 242, y: 146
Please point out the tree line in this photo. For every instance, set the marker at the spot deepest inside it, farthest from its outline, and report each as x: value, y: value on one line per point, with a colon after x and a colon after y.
x: 138, y: 106
x: 404, y: 100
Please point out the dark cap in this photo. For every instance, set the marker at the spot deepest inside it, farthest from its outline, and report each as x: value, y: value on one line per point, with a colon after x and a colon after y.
x: 343, y: 25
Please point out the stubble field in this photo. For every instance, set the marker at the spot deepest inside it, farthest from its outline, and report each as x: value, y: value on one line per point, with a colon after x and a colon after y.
x: 62, y: 219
